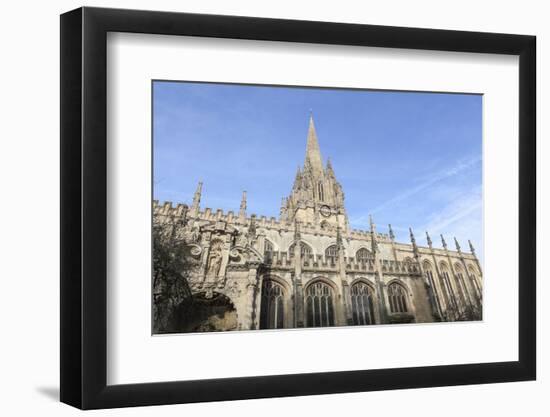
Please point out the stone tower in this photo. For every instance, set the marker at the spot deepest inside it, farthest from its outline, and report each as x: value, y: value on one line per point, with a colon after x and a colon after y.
x: 316, y: 196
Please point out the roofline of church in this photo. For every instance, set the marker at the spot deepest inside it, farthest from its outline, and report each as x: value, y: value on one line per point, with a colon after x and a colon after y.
x: 167, y: 208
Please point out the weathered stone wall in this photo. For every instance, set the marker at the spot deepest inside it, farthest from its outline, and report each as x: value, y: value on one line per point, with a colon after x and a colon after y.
x: 244, y: 265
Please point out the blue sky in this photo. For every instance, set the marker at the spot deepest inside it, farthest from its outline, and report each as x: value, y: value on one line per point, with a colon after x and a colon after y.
x: 407, y: 158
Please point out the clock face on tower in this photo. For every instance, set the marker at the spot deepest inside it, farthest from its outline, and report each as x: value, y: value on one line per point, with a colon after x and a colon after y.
x: 325, y: 211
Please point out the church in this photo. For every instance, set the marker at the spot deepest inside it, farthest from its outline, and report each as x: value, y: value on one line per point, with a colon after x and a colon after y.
x: 308, y: 268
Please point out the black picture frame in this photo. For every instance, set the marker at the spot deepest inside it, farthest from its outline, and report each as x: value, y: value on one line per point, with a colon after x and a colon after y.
x: 84, y: 207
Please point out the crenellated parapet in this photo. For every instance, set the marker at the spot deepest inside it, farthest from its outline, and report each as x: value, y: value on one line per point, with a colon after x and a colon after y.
x: 168, y: 211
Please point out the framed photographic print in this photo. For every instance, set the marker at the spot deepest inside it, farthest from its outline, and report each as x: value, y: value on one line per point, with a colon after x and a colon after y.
x: 257, y: 208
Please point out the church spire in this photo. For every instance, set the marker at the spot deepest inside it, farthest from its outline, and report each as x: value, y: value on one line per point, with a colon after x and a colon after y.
x: 313, y: 152
x: 316, y: 197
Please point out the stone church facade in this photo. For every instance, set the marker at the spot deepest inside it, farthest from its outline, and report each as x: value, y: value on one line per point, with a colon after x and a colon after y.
x: 308, y: 268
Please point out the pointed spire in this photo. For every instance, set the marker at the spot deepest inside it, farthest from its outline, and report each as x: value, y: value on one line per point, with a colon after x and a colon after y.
x: 472, y: 250
x: 298, y: 179
x: 242, y: 209
x: 411, y: 234
x: 443, y: 242
x: 197, y: 199
x: 413, y: 241
x: 457, y: 245
x: 313, y: 152
x: 372, y: 225
x: 373, y: 234
x: 429, y: 240
x: 392, y: 235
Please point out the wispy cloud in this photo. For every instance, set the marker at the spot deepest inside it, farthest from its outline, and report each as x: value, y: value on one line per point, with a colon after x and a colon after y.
x: 461, y: 217
x: 459, y: 209
x: 444, y: 174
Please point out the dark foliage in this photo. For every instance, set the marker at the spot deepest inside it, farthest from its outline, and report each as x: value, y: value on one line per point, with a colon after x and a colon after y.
x: 171, y: 268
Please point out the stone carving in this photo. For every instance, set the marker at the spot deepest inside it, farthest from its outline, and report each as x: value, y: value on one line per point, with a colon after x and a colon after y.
x: 195, y: 250
x: 233, y: 289
x: 242, y: 240
x: 214, y: 259
x: 193, y: 235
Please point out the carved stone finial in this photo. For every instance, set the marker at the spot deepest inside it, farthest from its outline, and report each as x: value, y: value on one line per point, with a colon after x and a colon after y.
x: 429, y: 240
x: 298, y: 173
x: 392, y: 235
x: 443, y: 242
x: 413, y: 241
x: 242, y: 209
x: 197, y: 199
x: 472, y: 250
x: 411, y: 234
x: 372, y: 225
x: 374, y: 243
x: 457, y: 245
x: 252, y: 227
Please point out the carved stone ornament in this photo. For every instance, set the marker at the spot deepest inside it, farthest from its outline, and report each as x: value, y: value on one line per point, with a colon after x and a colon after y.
x: 233, y: 289
x: 195, y: 250
x: 214, y: 259
x: 236, y: 254
x: 242, y: 240
x: 193, y: 235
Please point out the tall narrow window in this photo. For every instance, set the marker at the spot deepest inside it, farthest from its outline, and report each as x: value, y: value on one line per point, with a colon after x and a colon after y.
x: 319, y: 305
x: 431, y: 281
x: 331, y: 254
x: 449, y: 288
x: 430, y: 275
x: 268, y: 251
x: 475, y: 283
x: 398, y: 298
x: 272, y: 306
x: 320, y: 191
x: 462, y: 286
x: 445, y: 284
x: 362, y: 304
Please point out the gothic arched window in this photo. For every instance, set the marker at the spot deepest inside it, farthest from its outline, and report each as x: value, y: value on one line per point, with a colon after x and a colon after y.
x: 305, y: 250
x: 319, y: 305
x: 446, y: 283
x: 362, y: 303
x: 268, y: 251
x: 398, y: 298
x: 428, y: 269
x: 362, y: 255
x: 461, y: 283
x: 272, y: 312
x: 430, y: 275
x: 475, y: 283
x: 331, y: 254
x: 320, y: 191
